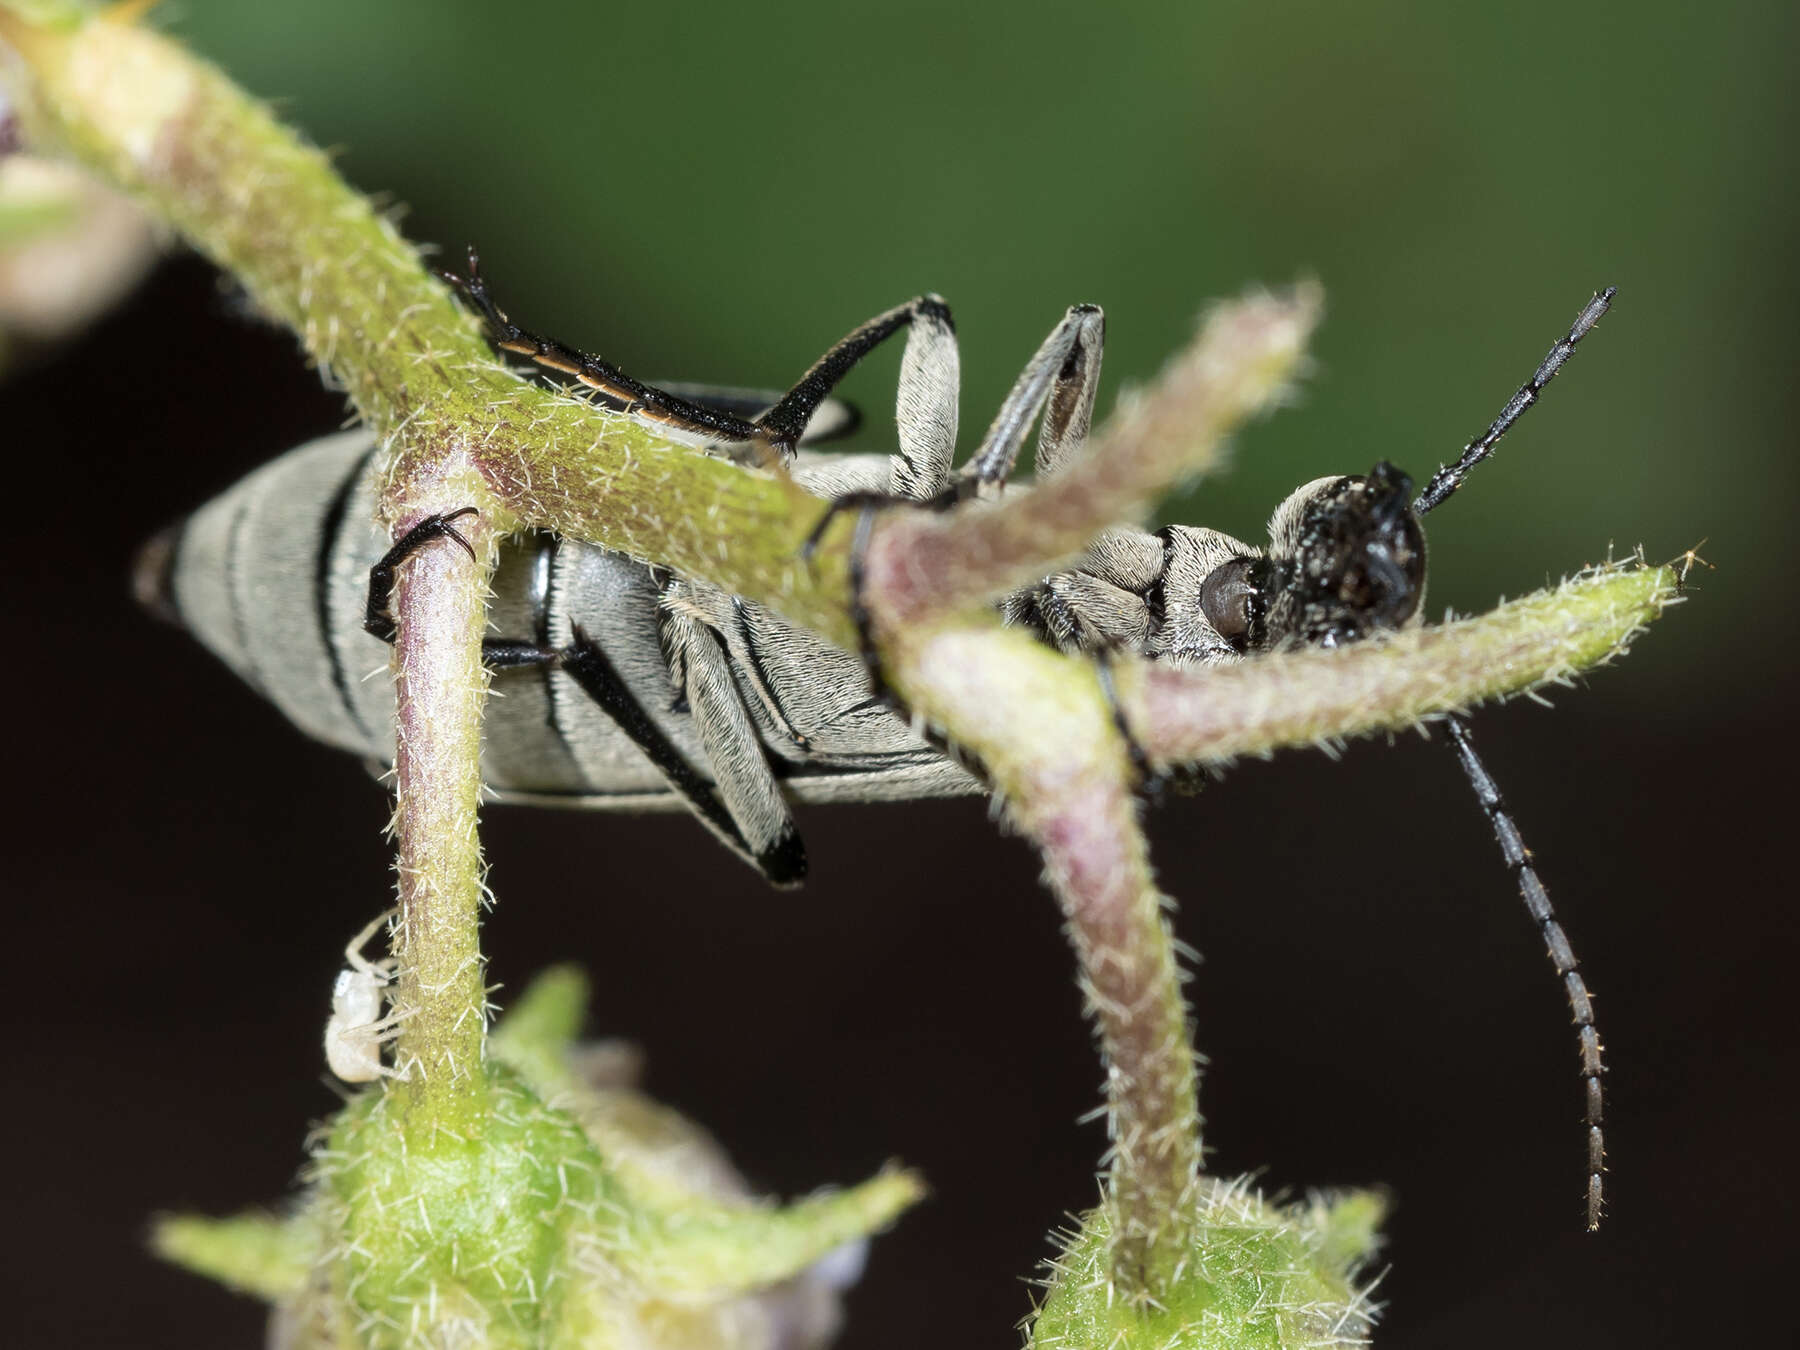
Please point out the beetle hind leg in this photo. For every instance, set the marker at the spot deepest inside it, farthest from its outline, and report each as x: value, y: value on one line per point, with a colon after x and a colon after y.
x: 925, y: 408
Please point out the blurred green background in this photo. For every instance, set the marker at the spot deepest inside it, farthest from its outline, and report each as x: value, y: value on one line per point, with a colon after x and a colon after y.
x: 716, y: 191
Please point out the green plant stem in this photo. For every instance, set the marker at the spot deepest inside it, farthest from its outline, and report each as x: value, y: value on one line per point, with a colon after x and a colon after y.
x: 1071, y: 793
x: 439, y: 688
x: 1211, y: 716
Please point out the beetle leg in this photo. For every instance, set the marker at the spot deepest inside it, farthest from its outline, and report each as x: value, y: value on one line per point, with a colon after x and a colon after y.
x: 1149, y: 781
x: 1081, y: 612
x: 516, y: 654
x: 1047, y: 609
x: 740, y: 765
x: 585, y: 663
x: 378, y: 614
x: 1069, y: 411
x: 832, y: 420
x: 1060, y: 380
x: 926, y: 406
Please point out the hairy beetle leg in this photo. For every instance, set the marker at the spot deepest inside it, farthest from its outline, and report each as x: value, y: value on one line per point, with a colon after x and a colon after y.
x: 1058, y: 385
x: 781, y: 857
x: 378, y: 615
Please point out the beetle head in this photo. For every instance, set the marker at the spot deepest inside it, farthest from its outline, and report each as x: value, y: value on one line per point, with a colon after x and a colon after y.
x: 1346, y: 559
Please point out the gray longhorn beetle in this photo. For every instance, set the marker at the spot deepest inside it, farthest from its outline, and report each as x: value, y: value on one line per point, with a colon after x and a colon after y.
x: 628, y: 687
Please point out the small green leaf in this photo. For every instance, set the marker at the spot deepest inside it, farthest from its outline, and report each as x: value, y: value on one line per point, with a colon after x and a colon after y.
x: 254, y: 1253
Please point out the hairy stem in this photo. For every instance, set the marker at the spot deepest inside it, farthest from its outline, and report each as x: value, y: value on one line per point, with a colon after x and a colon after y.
x: 1184, y: 717
x: 1071, y: 794
x: 439, y: 688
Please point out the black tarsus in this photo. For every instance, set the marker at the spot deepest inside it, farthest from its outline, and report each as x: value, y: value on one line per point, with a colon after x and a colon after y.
x: 1562, y: 956
x: 378, y: 615
x: 516, y: 654
x: 783, y: 862
x: 1449, y: 477
x: 868, y: 503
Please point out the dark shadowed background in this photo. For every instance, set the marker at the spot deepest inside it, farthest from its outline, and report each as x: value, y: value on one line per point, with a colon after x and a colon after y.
x: 717, y: 191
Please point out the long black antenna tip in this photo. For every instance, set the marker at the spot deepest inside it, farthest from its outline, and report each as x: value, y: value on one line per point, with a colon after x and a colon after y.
x: 1449, y: 477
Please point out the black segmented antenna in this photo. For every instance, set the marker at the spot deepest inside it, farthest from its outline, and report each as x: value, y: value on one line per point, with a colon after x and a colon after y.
x: 1444, y: 482
x: 1562, y: 956
x: 1449, y: 477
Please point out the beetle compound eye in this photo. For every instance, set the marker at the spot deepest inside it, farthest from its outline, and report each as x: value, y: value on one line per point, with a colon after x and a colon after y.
x: 1231, y: 597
